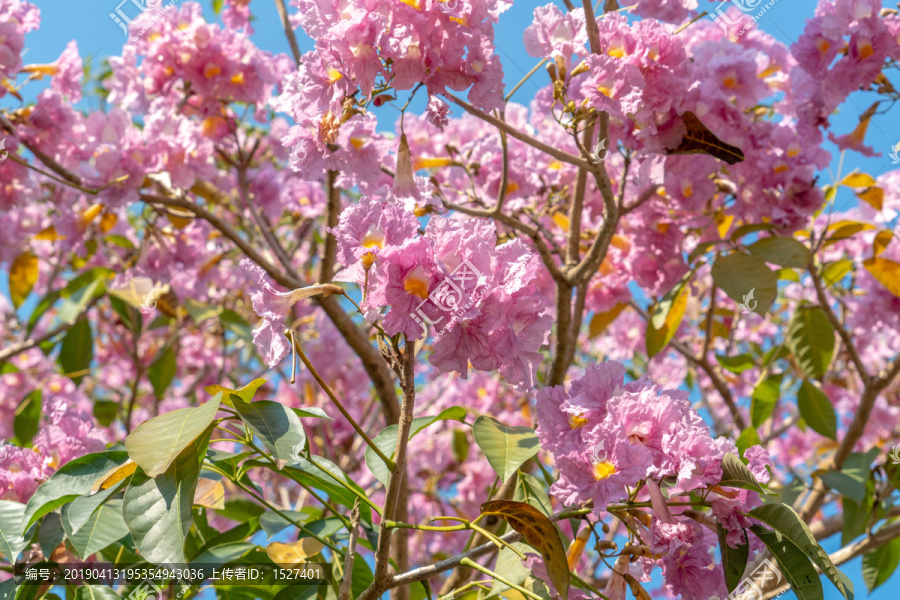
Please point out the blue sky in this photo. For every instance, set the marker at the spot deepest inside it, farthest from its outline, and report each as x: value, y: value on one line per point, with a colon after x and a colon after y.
x: 89, y: 23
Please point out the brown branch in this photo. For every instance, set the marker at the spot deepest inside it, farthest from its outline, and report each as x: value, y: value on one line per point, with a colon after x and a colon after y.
x: 593, y: 30
x: 563, y: 330
x: 838, y: 326
x: 383, y: 580
x: 326, y: 269
x: 355, y: 337
x: 707, y: 368
x: 288, y: 31
x: 346, y: 581
x: 512, y: 131
x: 48, y: 162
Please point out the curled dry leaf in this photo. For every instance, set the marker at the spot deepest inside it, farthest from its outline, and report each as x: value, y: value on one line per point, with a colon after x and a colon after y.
x: 540, y: 533
x: 294, y: 553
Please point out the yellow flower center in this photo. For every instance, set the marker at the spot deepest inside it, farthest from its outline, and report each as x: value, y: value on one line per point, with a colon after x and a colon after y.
x: 577, y: 421
x: 602, y: 470
x: 416, y: 283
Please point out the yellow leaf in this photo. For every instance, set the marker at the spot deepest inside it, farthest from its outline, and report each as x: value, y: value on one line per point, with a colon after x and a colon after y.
x: 209, y: 493
x: 108, y: 221
x: 845, y: 229
x: 540, y: 533
x: 89, y: 214
x: 858, y: 180
x: 431, y: 163
x: 288, y: 555
x: 180, y: 219
x: 562, y: 220
x: 881, y: 241
x: 659, y: 334
x: 874, y: 196
x: 23, y: 273
x: 48, y: 234
x: 886, y: 271
x: 114, y: 476
x: 601, y: 321
x: 723, y: 224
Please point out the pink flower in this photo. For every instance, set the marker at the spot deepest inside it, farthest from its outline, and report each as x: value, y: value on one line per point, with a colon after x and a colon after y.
x: 554, y: 33
x: 437, y: 112
x: 22, y: 471
x: 368, y: 228
x: 688, y: 563
x: 585, y: 475
x: 410, y: 275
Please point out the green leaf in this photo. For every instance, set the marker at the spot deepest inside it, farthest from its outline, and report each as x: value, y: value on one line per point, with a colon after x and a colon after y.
x: 162, y: 371
x: 739, y: 274
x: 241, y: 509
x: 786, y: 521
x: 386, y: 440
x: 77, y: 349
x: 856, y: 519
x: 781, y: 251
x: 748, y: 229
x: 11, y: 540
x: 793, y: 565
x: 42, y: 307
x: 748, y: 438
x: 158, y: 510
x: 96, y: 592
x: 129, y: 315
x: 764, y: 398
x: 736, y: 364
x: 200, y: 311
x: 835, y: 271
x: 666, y: 317
x: 51, y: 533
x: 529, y: 489
x: 460, y: 445
x: 736, y: 474
x: 851, y: 479
x: 27, y: 418
x: 102, y: 529
x: 879, y: 564
x: 506, y: 448
x: 277, y: 426
x: 817, y: 410
x: 811, y: 339
x: 154, y: 444
x: 81, y: 509
x: 105, y: 411
x: 81, y: 291
x: 73, y: 479
x: 315, y: 475
x: 217, y: 6
x: 510, y: 567
x: 311, y: 412
x: 734, y: 560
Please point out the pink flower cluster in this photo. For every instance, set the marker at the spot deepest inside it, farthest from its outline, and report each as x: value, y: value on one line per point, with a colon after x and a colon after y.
x: 16, y: 19
x: 608, y: 436
x: 478, y: 296
x: 366, y: 45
